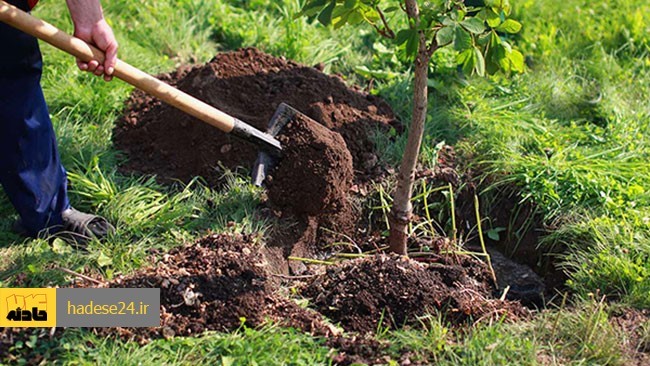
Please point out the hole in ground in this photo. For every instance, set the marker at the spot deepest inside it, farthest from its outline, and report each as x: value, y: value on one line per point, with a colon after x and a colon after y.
x: 512, y: 232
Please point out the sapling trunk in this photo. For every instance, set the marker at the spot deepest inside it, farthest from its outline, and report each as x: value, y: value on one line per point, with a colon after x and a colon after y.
x: 475, y: 31
x: 400, y: 214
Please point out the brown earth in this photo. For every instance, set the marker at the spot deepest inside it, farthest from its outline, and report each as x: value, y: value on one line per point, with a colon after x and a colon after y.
x: 218, y: 283
x: 362, y: 292
x: 249, y: 85
x: 315, y: 173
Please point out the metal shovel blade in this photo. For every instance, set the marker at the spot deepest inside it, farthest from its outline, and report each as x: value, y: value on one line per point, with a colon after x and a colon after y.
x: 267, y: 160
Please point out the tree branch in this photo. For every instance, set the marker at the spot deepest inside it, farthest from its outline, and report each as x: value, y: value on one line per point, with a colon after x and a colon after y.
x: 82, y: 276
x: 433, y: 46
x: 389, y: 32
x: 383, y: 32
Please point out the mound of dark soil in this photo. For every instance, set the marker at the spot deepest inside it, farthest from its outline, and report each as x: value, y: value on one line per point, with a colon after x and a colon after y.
x: 362, y: 292
x: 312, y: 182
x: 315, y: 173
x: 249, y: 85
x: 215, y: 284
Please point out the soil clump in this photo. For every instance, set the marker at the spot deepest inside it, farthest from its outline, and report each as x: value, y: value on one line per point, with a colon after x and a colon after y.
x: 315, y: 173
x: 362, y: 292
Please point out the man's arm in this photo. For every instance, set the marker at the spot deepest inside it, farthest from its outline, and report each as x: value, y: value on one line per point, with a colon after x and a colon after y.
x: 89, y: 25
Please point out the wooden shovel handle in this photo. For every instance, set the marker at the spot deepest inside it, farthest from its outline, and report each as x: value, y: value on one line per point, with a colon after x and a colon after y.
x: 47, y: 32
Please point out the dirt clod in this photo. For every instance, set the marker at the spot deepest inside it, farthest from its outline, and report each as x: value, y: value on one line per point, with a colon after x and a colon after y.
x: 315, y: 173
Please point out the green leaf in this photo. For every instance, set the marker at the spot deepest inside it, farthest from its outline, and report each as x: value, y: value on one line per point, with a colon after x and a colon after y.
x: 501, y: 58
x: 412, y: 45
x: 325, y: 16
x: 510, y: 26
x: 494, y: 233
x: 506, y: 46
x: 447, y: 21
x: 493, y: 19
x: 377, y: 74
x: 403, y: 36
x: 103, y: 260
x: 312, y: 8
x: 484, y: 39
x: 445, y: 36
x: 460, y: 15
x: 474, y: 25
x: 340, y: 20
x: 340, y: 16
x: 462, y: 39
x: 495, y: 54
x: 339, y: 11
x: 59, y: 246
x: 494, y: 39
x: 355, y: 17
x: 467, y: 60
x: 516, y: 61
x: 499, y: 5
x: 227, y: 360
x: 350, y: 4
x: 479, y: 65
x: 391, y: 9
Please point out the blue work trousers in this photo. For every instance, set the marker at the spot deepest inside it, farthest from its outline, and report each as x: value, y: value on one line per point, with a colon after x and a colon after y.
x: 30, y: 167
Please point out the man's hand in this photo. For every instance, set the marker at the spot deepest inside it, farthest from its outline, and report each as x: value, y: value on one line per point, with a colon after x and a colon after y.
x: 90, y: 26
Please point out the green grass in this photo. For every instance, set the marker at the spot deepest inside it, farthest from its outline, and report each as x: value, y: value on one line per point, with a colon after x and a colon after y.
x: 571, y: 136
x: 269, y: 345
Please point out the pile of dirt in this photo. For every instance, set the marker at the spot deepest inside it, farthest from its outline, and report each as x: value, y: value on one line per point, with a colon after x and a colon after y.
x: 315, y: 173
x: 214, y: 284
x: 247, y: 84
x: 362, y: 292
x: 310, y: 187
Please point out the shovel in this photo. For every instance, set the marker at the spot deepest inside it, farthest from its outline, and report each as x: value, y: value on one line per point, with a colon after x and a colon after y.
x: 270, y: 148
